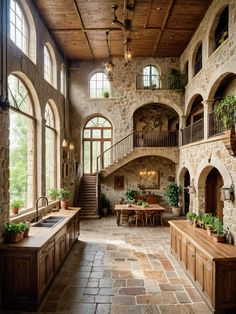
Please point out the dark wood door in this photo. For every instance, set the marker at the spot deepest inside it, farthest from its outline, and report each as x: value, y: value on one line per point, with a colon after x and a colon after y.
x: 214, y: 183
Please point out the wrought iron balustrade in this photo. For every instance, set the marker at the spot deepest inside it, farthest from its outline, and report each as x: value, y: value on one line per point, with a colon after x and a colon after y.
x: 193, y: 132
x: 153, y: 82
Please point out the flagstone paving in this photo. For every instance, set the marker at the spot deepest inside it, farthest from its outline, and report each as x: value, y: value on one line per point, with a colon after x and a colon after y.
x: 122, y: 270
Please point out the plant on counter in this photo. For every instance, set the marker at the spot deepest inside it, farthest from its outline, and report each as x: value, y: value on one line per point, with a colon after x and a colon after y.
x: 63, y: 196
x: 219, y: 232
x: 53, y: 193
x: 16, y: 204
x: 145, y: 204
x: 106, y: 94
x: 13, y: 233
x: 191, y: 216
x: 25, y: 226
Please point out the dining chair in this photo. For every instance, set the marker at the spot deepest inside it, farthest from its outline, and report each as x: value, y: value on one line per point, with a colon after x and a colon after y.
x: 150, y: 216
x: 125, y: 214
x: 139, y: 216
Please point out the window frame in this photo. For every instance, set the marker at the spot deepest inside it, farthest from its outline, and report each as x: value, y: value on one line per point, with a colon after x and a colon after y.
x: 47, y: 65
x: 150, y: 75
x: 103, y: 89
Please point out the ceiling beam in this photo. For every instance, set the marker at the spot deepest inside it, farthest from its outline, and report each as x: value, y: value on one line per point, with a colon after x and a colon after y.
x: 170, y: 6
x: 148, y: 14
x: 83, y: 28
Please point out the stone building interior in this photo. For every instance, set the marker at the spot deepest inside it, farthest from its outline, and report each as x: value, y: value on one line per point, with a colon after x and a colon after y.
x: 101, y: 99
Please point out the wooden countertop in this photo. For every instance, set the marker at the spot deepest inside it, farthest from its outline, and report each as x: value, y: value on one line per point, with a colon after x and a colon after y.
x: 39, y: 236
x: 203, y: 242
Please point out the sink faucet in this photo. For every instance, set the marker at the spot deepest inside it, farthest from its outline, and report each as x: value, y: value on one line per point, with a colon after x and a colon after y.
x: 37, y: 206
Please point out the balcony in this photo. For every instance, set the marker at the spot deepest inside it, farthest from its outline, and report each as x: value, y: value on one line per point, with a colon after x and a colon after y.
x: 154, y: 82
x: 193, y: 132
x: 215, y: 127
x: 155, y: 139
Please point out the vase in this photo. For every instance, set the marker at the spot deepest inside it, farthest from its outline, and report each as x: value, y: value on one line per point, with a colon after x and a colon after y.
x: 64, y: 204
x: 14, y: 237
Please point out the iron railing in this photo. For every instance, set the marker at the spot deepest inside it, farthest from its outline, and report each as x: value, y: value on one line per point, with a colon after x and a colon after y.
x: 193, y: 132
x: 215, y: 127
x: 136, y: 139
x: 153, y: 82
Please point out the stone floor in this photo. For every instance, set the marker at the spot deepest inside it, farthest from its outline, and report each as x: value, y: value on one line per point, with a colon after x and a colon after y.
x: 122, y: 270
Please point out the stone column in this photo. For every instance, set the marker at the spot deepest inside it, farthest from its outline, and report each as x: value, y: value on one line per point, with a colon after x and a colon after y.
x: 182, y: 125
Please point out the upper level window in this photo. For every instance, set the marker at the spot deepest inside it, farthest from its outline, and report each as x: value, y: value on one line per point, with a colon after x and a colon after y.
x: 18, y: 27
x: 63, y: 79
x: 50, y: 148
x: 151, y: 77
x: 198, y: 60
x: 99, y: 86
x: 221, y: 33
x: 48, y: 69
x: 22, y: 140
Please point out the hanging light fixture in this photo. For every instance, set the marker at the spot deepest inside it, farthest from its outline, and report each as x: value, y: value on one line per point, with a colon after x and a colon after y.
x: 109, y: 65
x: 127, y: 53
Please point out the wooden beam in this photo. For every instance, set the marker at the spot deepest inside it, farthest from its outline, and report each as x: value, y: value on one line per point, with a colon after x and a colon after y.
x: 148, y: 14
x: 83, y: 28
x: 170, y: 6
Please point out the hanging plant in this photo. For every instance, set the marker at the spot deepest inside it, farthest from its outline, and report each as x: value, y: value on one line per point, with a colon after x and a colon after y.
x: 225, y: 111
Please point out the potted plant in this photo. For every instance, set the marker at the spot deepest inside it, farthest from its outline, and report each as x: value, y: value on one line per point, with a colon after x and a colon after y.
x: 172, y: 195
x: 105, y: 204
x: 106, y: 94
x: 53, y: 193
x: 174, y: 79
x: 63, y: 196
x: 225, y: 112
x: 191, y: 216
x: 16, y: 204
x: 219, y: 232
x: 129, y: 196
x: 196, y: 222
x: 208, y: 220
x: 13, y: 233
x: 25, y: 226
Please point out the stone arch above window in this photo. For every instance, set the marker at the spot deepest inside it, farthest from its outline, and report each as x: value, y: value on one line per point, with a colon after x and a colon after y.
x: 99, y: 85
x: 22, y: 28
x: 219, y: 30
x: 197, y: 59
x: 151, y: 76
x: 50, y: 65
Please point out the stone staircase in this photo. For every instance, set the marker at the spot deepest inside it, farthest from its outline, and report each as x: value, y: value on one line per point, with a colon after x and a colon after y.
x: 87, y: 198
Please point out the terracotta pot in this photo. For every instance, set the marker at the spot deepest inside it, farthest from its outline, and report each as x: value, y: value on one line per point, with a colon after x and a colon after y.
x: 208, y: 231
x: 15, y: 210
x: 26, y: 233
x: 14, y: 237
x: 230, y: 141
x: 219, y: 238
x: 196, y: 224
x: 64, y: 204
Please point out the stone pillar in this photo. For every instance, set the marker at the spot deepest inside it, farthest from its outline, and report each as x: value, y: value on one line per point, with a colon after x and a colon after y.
x: 182, y: 125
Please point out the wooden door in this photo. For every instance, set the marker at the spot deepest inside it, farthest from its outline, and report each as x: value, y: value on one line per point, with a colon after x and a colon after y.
x: 214, y: 183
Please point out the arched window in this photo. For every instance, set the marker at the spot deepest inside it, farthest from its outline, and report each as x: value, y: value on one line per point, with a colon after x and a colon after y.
x: 99, y: 86
x: 63, y: 79
x: 50, y: 148
x: 198, y: 60
x: 22, y: 133
x: 97, y: 138
x: 151, y: 77
x: 19, y: 31
x: 48, y: 66
x: 221, y: 32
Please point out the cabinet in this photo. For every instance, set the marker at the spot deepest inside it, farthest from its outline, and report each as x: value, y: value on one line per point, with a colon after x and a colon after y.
x: 27, y: 270
x: 151, y: 199
x: 211, y: 266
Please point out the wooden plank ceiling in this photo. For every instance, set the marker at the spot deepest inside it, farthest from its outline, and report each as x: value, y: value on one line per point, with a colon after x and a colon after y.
x: 160, y: 28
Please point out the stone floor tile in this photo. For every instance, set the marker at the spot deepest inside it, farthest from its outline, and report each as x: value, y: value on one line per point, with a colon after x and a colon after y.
x: 135, y: 282
x: 193, y: 294
x: 159, y: 298
x: 167, y: 287
x: 103, y: 309
x: 105, y: 283
x: 102, y: 299
x: 126, y: 300
x: 93, y: 291
x: 182, y: 297
x: 107, y: 291
x: 92, y: 283
x: 119, y: 283
x: 83, y: 308
x: 132, y: 291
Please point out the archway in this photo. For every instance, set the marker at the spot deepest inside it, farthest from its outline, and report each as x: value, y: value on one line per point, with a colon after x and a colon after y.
x: 186, y: 192
x: 213, y: 203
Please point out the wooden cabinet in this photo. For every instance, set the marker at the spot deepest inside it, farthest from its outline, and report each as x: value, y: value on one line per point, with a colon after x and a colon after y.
x: 211, y: 266
x: 151, y: 199
x: 27, y: 271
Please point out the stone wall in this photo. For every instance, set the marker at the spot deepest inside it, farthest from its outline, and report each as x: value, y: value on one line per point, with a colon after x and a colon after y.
x: 164, y: 168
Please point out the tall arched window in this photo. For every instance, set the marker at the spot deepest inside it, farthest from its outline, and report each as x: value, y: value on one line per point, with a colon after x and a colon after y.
x: 221, y: 32
x: 48, y: 66
x: 99, y: 86
x: 151, y: 77
x: 50, y: 148
x: 198, y: 60
x: 63, y: 79
x: 19, y: 31
x: 97, y: 138
x: 22, y: 130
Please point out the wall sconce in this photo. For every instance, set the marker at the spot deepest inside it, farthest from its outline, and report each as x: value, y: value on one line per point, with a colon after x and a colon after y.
x: 149, y: 173
x: 65, y: 143
x: 227, y: 193
x: 72, y: 146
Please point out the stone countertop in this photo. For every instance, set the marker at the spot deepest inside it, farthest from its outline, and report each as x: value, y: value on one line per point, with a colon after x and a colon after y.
x: 39, y: 236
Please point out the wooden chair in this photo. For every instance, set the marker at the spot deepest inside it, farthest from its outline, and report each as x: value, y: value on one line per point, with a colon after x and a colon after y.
x: 139, y: 216
x: 150, y: 216
x: 125, y: 217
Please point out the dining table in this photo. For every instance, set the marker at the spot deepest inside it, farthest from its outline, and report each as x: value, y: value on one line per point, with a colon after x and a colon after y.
x: 152, y: 207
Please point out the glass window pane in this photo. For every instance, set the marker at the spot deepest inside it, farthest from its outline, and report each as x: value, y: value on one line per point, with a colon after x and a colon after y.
x: 96, y: 134
x: 87, y: 160
x: 98, y: 85
x: 87, y: 133
x: 106, y: 145
x: 96, y: 151
x: 106, y: 133
x: 50, y: 159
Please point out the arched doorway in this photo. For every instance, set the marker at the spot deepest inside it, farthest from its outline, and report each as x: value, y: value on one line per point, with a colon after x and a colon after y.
x: 186, y: 191
x: 97, y: 138
x: 213, y: 203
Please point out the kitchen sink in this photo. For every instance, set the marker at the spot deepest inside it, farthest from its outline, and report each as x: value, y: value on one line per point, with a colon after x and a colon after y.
x: 49, y: 222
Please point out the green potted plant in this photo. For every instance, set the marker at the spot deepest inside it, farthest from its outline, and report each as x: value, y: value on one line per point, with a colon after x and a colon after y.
x: 219, y: 232
x: 191, y: 216
x: 106, y: 94
x: 208, y: 220
x: 63, y: 196
x: 16, y: 204
x: 105, y: 204
x: 174, y: 79
x: 196, y: 222
x: 225, y: 112
x: 53, y: 193
x: 25, y: 226
x: 13, y: 233
x: 129, y: 196
x: 172, y: 195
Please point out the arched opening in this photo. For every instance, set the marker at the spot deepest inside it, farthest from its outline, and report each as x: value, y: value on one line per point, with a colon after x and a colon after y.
x: 99, y: 85
x: 97, y: 138
x: 155, y: 125
x: 213, y: 203
x: 195, y: 122
x: 50, y: 65
x: 186, y: 192
x: 198, y: 60
x: 151, y: 77
x: 185, y: 74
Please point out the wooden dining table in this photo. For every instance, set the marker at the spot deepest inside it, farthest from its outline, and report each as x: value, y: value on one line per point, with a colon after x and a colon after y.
x: 152, y: 207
